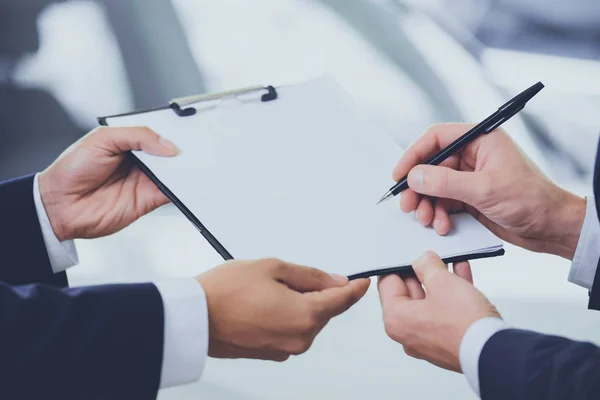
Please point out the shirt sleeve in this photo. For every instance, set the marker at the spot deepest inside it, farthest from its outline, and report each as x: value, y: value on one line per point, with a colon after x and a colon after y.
x: 185, y: 346
x: 186, y: 331
x: 472, y: 344
x: 587, y: 254
x: 62, y: 255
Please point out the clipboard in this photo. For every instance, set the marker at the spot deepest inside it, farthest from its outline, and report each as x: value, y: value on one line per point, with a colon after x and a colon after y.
x: 190, y: 106
x: 182, y: 106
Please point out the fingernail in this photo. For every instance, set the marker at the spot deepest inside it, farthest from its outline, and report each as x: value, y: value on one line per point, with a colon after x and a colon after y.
x: 416, y: 178
x: 436, y: 224
x: 418, y: 213
x: 339, y: 278
x: 423, y: 258
x: 168, y: 145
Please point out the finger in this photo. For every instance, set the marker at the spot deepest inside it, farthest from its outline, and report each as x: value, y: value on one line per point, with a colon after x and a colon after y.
x: 392, y: 289
x: 303, y: 279
x: 121, y: 140
x: 453, y: 206
x: 441, y: 220
x: 409, y: 201
x: 468, y: 187
x: 232, y: 351
x: 334, y: 301
x: 429, y: 267
x: 424, y: 212
x: 147, y: 190
x: 452, y: 162
x: 415, y: 289
x: 463, y: 269
x: 432, y: 141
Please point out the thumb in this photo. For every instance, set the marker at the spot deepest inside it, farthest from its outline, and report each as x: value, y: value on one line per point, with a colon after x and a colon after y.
x: 334, y: 301
x: 428, y: 268
x: 305, y: 279
x: 435, y: 181
x: 122, y: 140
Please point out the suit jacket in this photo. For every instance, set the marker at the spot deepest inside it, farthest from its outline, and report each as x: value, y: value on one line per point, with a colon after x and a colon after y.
x: 103, y: 342
x: 517, y: 364
x: 595, y: 293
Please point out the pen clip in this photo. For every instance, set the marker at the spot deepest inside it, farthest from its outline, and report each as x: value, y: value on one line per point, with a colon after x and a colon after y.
x: 505, y: 118
x: 497, y: 124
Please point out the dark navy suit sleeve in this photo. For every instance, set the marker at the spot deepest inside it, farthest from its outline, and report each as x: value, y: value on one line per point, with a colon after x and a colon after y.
x: 517, y: 364
x: 594, y: 303
x: 23, y: 255
x: 523, y: 365
x: 103, y: 342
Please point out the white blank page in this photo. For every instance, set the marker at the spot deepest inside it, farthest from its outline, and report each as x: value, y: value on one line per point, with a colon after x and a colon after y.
x: 297, y: 178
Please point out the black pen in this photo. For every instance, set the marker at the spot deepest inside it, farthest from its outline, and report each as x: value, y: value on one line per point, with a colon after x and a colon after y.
x: 492, y: 122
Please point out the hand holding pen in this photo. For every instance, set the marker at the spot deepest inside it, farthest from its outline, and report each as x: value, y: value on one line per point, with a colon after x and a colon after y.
x: 496, y: 183
x: 504, y: 113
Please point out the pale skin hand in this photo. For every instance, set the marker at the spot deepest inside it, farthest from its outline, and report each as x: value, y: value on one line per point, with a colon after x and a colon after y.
x: 497, y: 184
x: 269, y: 309
x: 431, y: 323
x: 93, y: 189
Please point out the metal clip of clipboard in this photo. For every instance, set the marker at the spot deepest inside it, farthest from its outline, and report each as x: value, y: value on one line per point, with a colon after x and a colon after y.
x: 180, y: 105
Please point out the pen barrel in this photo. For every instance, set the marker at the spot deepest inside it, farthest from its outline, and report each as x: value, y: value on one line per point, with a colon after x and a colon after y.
x: 400, y: 186
x: 494, y: 121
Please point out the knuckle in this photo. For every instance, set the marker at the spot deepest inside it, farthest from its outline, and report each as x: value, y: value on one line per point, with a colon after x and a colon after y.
x: 274, y: 263
x: 281, y: 357
x: 307, y: 322
x: 311, y: 321
x: 432, y: 129
x: 299, y: 346
x: 412, y: 351
x: 435, y: 129
x: 144, y: 130
x: 100, y: 131
x: 316, y: 273
x: 394, y: 327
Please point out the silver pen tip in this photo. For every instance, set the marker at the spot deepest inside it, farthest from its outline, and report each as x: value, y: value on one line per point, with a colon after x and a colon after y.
x: 385, y: 197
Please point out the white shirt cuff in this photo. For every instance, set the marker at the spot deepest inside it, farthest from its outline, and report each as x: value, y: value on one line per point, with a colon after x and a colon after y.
x: 587, y: 254
x: 472, y: 344
x: 62, y: 255
x: 185, y: 346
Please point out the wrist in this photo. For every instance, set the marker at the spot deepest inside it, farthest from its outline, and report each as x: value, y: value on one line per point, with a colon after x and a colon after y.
x: 52, y: 207
x: 472, y: 344
x: 567, y: 223
x: 213, y: 341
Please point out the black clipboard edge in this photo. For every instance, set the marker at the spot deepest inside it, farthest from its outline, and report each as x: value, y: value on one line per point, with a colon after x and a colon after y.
x: 102, y: 120
x: 407, y: 269
x: 219, y: 248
